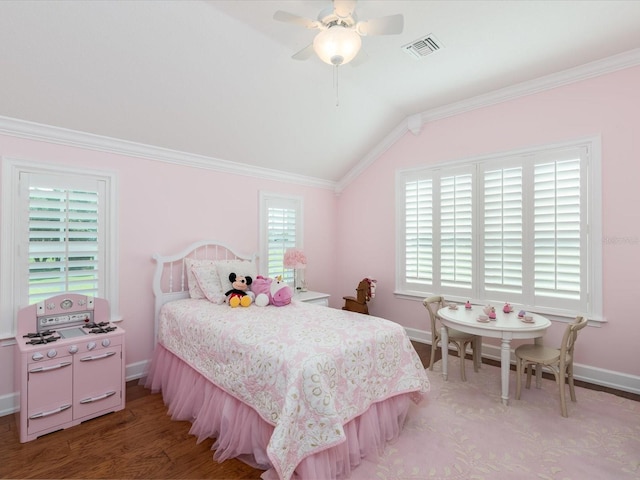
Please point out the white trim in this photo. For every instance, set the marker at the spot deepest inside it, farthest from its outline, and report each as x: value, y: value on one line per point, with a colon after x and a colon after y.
x: 415, y: 122
x: 10, y: 402
x: 137, y: 370
x: 11, y: 168
x: 382, y: 146
x: 594, y: 221
x: 597, y: 376
x: 90, y: 141
x: 583, y: 72
x: 297, y: 202
x: 7, y: 249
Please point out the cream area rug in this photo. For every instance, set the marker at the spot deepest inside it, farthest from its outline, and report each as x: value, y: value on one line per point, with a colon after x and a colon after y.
x: 462, y: 431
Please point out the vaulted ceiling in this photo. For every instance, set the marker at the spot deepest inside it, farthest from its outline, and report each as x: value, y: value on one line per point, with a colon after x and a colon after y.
x: 216, y: 78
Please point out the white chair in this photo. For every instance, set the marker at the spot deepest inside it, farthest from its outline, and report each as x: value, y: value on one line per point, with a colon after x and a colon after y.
x: 558, y: 360
x: 456, y: 337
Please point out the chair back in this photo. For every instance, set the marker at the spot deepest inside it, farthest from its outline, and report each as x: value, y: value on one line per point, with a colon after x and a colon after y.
x: 433, y: 304
x: 569, y: 340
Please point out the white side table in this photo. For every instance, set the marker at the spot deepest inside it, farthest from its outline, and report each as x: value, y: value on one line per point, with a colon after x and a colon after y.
x: 312, y: 297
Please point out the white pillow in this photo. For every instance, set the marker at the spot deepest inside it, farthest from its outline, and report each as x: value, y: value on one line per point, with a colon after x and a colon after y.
x: 239, y: 267
x: 194, y: 289
x: 209, y: 282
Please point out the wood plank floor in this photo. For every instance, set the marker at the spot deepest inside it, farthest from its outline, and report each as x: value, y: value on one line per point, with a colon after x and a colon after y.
x: 140, y: 441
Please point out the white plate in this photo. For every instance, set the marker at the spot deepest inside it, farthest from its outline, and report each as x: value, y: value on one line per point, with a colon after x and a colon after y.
x: 527, y: 321
x: 483, y: 321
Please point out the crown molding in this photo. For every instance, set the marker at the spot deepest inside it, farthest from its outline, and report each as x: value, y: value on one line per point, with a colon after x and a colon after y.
x: 583, y: 72
x: 63, y: 136
x: 414, y: 123
x: 382, y: 146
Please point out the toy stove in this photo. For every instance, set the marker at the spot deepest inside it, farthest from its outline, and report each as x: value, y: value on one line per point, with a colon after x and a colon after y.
x: 69, y: 363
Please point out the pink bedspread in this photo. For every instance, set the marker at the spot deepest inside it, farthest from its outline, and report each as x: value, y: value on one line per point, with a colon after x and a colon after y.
x: 305, y: 369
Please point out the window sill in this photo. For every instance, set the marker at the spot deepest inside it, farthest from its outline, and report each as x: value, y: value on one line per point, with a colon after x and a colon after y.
x: 554, y: 315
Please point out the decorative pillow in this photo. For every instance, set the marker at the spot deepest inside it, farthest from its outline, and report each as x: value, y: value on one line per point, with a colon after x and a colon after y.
x: 194, y: 289
x: 239, y: 267
x: 209, y: 282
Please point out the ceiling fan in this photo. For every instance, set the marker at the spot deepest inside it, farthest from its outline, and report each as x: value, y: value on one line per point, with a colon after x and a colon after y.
x: 339, y: 39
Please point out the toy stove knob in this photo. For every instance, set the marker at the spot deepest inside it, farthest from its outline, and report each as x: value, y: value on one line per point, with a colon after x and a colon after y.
x: 73, y: 349
x: 106, y: 342
x: 91, y: 345
x: 52, y: 353
x: 37, y: 356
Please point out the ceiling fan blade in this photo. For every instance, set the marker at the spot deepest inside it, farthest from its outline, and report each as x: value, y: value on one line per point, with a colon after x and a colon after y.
x: 344, y: 8
x: 295, y: 19
x: 304, y: 54
x: 390, y: 25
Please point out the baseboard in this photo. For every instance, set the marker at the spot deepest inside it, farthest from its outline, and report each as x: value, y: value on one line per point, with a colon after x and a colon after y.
x: 10, y: 403
x: 136, y: 370
x: 585, y: 373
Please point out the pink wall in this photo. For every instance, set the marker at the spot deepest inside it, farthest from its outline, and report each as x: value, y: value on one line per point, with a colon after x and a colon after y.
x: 165, y: 207
x: 352, y: 236
x: 608, y: 106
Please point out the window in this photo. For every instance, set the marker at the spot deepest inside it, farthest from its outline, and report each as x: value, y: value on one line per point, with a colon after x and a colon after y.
x: 280, y: 229
x: 62, y: 236
x: 518, y: 227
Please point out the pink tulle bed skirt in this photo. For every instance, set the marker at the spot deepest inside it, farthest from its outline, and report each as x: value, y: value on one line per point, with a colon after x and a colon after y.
x: 241, y: 433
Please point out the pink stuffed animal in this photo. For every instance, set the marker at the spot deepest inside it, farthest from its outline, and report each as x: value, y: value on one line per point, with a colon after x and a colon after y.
x: 261, y: 287
x: 271, y: 291
x: 281, y: 293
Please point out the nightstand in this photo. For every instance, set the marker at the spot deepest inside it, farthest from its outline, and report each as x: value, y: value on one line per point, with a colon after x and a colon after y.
x: 317, y: 298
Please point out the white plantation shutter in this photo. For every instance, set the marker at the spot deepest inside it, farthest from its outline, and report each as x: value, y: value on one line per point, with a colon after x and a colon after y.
x: 66, y: 235
x: 282, y: 229
x: 419, y: 231
x: 64, y: 253
x: 503, y: 227
x: 456, y: 230
x: 517, y: 228
x: 60, y: 235
x: 558, y: 250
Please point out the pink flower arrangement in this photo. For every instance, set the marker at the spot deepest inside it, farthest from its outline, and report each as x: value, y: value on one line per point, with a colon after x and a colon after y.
x: 295, y: 258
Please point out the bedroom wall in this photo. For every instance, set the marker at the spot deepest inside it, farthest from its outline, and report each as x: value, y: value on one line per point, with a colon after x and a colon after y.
x: 163, y: 208
x: 607, y: 106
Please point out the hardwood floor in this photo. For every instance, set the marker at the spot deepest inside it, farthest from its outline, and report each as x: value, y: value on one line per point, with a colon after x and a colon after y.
x: 140, y: 441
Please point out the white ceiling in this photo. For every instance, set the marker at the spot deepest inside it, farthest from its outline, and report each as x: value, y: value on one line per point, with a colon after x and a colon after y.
x: 216, y: 78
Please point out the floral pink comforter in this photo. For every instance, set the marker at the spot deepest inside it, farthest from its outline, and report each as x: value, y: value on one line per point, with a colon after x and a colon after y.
x: 306, y: 369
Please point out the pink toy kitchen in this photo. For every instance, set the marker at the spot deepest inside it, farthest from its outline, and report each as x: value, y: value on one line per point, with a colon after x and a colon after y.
x: 69, y: 364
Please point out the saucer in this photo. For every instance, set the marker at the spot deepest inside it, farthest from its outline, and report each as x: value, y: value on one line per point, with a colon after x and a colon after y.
x: 453, y: 307
x: 527, y: 321
x: 482, y: 321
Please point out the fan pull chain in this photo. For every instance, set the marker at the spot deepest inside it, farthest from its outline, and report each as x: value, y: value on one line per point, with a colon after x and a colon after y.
x: 336, y: 84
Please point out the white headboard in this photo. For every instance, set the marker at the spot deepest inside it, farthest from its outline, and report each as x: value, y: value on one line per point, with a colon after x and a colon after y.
x: 170, y: 276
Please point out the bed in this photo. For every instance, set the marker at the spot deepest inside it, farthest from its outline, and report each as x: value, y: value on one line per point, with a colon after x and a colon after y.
x: 300, y: 391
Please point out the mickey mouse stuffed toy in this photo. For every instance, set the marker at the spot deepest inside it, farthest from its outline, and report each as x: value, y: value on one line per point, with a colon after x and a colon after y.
x: 238, y: 295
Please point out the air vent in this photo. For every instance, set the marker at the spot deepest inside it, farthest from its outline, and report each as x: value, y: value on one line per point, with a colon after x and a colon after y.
x: 423, y: 46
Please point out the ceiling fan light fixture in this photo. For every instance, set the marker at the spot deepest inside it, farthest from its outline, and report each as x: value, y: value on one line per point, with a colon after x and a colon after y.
x: 337, y: 45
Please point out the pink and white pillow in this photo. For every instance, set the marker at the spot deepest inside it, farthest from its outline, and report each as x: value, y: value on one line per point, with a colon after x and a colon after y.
x: 209, y: 282
x: 194, y: 289
x: 239, y: 267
